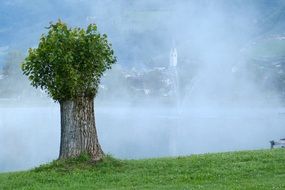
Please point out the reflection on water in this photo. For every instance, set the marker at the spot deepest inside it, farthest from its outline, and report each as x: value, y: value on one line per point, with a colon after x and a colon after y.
x: 30, y: 136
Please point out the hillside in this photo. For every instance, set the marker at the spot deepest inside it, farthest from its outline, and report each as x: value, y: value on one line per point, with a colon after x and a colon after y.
x: 262, y: 169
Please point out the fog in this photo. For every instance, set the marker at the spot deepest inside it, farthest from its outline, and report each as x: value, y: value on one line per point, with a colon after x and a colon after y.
x: 211, y: 101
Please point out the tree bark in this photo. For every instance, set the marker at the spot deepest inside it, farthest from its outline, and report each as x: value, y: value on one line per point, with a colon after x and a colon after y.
x: 78, y: 130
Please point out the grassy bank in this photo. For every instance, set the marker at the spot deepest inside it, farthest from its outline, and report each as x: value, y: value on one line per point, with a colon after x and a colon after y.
x: 264, y: 169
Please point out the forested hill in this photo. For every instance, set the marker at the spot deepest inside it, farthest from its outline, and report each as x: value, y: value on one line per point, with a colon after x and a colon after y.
x: 143, y: 26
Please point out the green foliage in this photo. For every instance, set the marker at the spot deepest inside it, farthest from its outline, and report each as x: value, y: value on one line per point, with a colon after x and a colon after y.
x: 69, y: 62
x: 260, y: 170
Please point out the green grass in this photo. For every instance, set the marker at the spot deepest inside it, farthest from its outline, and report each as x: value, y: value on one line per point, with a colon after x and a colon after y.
x: 263, y: 169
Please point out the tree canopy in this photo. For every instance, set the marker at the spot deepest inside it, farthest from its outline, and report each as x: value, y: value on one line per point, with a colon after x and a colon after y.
x: 69, y: 62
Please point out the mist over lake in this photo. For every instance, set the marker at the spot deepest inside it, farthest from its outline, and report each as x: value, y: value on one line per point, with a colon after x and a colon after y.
x: 140, y: 132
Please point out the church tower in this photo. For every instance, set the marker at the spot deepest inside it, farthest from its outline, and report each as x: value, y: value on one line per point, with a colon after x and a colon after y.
x: 173, y: 75
x: 174, y: 94
x: 173, y: 57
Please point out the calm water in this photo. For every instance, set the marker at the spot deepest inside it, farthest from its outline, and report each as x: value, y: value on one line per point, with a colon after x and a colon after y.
x: 30, y: 136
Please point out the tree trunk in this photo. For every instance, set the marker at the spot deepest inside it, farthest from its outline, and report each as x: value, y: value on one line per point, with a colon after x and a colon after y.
x: 78, y: 130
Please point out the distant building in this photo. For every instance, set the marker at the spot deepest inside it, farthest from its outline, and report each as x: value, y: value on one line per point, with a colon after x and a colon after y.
x: 151, y: 82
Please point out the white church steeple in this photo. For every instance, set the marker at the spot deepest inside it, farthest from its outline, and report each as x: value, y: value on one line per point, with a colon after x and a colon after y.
x: 173, y: 57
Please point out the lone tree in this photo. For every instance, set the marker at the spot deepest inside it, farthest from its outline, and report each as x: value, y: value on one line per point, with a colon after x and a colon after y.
x: 68, y: 64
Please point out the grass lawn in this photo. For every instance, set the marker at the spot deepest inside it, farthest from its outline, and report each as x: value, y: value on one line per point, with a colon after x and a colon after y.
x: 262, y: 169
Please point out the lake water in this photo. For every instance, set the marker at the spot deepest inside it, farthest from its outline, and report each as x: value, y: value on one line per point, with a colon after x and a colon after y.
x: 30, y: 136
